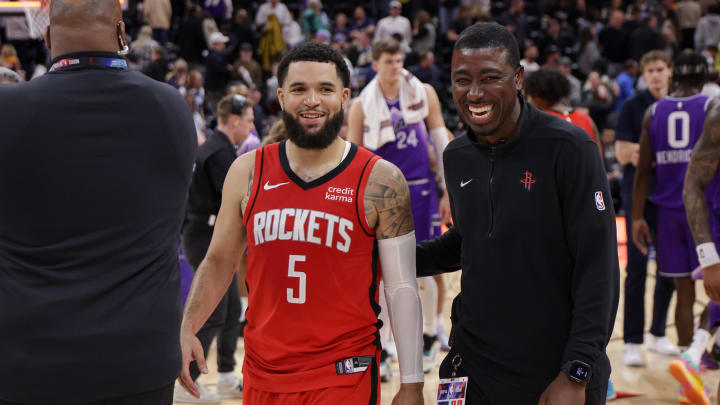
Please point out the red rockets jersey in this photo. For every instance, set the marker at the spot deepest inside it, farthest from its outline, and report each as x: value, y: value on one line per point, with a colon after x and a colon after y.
x: 312, y: 274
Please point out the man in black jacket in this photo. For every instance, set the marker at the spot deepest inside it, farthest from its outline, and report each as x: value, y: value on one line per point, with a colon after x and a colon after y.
x: 533, y: 235
x: 98, y: 160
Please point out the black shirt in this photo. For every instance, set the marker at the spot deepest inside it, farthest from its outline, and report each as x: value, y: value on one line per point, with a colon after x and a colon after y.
x: 538, y: 251
x: 628, y: 128
x: 213, y: 162
x: 97, y: 163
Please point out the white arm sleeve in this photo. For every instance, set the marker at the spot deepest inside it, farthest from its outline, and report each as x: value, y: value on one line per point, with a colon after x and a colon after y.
x: 440, y: 140
x: 397, y: 260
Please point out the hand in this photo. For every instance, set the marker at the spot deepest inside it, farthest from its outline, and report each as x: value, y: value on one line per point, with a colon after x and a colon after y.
x: 711, y: 281
x: 409, y: 394
x: 641, y: 235
x: 635, y: 159
x: 562, y: 391
x: 191, y: 350
x: 444, y: 208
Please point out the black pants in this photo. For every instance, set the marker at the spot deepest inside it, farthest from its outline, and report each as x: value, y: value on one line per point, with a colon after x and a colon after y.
x: 224, y: 322
x: 485, y: 391
x: 160, y: 396
x: 634, y: 320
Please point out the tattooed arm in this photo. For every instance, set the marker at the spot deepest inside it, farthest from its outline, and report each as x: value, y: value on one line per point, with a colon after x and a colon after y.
x: 387, y: 209
x: 387, y: 201
x: 702, y: 168
x: 640, y: 230
x: 216, y: 271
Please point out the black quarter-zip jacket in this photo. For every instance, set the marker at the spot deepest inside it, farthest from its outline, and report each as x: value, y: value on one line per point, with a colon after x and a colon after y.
x: 535, y: 236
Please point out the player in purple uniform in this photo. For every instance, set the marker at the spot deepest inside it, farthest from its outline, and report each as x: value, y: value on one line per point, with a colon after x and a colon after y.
x: 671, y: 128
x: 391, y: 117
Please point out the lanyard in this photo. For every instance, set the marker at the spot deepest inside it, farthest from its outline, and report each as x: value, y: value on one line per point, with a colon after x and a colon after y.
x: 81, y: 61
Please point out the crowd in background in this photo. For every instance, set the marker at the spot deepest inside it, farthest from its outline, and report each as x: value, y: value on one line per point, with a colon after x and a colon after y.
x: 207, y: 48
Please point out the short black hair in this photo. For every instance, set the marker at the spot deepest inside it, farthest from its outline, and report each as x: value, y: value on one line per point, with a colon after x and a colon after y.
x: 490, y: 35
x: 314, y: 52
x: 691, y: 68
x: 548, y: 85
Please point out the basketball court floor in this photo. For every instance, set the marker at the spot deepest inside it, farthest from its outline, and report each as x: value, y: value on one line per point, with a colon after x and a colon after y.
x: 653, y: 382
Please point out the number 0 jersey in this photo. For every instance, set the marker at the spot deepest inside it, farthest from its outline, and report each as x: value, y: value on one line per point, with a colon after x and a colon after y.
x: 312, y: 274
x: 676, y: 125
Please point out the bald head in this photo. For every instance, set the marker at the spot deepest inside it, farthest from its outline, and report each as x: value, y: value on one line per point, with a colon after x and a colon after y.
x: 84, y: 25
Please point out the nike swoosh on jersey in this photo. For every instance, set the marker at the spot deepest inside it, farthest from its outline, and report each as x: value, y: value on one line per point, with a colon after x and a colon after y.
x: 465, y: 183
x: 270, y: 187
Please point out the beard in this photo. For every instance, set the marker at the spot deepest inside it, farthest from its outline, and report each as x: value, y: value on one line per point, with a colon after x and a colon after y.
x: 321, y: 139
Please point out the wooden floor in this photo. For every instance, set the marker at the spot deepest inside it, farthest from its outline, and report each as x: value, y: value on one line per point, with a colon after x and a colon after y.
x: 653, y: 381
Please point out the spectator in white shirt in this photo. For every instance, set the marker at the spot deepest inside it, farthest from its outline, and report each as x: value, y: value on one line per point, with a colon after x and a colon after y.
x: 394, y: 23
x: 275, y: 7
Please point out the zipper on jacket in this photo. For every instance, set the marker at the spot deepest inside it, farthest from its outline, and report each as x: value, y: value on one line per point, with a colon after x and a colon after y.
x: 493, y: 151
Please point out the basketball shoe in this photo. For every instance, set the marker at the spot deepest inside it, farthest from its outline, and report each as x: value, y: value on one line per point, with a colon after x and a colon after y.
x: 385, y: 366
x: 229, y: 386
x: 206, y: 397
x: 709, y: 360
x: 431, y: 347
x: 662, y: 345
x: 687, y: 373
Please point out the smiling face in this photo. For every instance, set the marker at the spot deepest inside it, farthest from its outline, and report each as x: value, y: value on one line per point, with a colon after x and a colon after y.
x: 485, y: 87
x: 312, y: 97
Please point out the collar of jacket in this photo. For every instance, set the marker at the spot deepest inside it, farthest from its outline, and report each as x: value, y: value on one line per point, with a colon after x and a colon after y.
x: 101, y: 54
x: 525, y: 125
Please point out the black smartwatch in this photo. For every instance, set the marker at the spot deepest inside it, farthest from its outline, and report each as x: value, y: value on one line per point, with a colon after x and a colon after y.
x: 577, y: 371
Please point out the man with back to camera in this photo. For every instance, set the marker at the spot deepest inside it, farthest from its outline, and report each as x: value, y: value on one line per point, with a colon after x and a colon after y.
x: 318, y: 215
x: 89, y: 279
x: 671, y: 127
x: 533, y: 235
x: 215, y: 156
x: 391, y: 118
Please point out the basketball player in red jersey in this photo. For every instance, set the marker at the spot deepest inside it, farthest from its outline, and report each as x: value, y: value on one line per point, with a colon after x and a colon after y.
x: 318, y: 215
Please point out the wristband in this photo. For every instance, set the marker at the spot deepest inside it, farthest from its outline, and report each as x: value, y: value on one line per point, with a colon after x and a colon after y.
x: 707, y: 254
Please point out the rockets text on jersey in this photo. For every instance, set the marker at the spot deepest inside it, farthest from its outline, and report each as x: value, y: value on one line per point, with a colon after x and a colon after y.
x: 312, y: 273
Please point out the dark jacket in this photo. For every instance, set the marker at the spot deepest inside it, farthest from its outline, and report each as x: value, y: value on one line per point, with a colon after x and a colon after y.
x: 98, y: 163
x: 536, y: 242
x: 213, y: 162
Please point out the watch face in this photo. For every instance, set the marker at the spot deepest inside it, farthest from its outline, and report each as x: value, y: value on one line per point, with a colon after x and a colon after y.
x: 579, y: 371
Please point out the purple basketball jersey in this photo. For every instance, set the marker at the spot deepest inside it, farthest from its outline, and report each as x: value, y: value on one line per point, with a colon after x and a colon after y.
x: 409, y: 152
x: 252, y: 142
x: 676, y: 125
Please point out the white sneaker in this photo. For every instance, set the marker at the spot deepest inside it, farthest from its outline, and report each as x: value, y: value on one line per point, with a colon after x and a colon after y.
x: 230, y: 389
x: 206, y: 397
x: 633, y: 356
x: 662, y: 345
x: 443, y: 336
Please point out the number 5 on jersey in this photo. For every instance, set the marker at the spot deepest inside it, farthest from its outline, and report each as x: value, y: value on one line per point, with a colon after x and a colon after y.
x: 300, y: 299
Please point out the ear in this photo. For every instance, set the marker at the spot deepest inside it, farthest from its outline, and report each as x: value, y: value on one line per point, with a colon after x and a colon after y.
x: 345, y: 97
x: 280, y: 98
x: 47, y: 38
x: 519, y: 78
x: 375, y: 65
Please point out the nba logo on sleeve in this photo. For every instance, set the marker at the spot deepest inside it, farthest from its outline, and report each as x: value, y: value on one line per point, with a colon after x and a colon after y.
x: 599, y: 203
x: 348, y: 366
